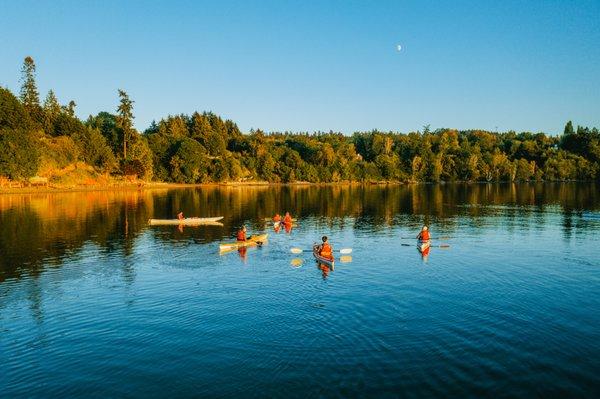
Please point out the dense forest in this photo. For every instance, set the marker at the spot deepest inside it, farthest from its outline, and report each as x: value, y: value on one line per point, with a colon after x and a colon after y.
x: 47, y: 140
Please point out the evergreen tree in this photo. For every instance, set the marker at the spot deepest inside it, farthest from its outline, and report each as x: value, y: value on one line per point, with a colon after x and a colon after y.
x: 29, y: 93
x: 51, y: 111
x: 30, y: 96
x: 124, y: 120
x: 569, y: 128
x: 70, y: 109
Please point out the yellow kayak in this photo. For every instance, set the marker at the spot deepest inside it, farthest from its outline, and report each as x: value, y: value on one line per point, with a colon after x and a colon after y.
x: 250, y: 242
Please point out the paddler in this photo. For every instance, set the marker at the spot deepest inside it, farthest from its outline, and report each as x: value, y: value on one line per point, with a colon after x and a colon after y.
x: 424, y: 234
x: 325, y: 249
x: 287, y: 220
x: 241, y: 234
x: 180, y: 216
x: 277, y: 218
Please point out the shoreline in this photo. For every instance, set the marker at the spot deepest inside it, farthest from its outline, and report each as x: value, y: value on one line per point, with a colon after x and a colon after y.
x: 141, y: 186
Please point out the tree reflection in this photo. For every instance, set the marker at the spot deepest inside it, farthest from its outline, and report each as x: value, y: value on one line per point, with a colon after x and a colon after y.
x: 38, y: 231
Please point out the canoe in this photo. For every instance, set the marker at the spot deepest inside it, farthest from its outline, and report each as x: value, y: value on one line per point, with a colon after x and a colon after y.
x: 423, y: 245
x: 320, y: 259
x: 252, y: 241
x: 186, y: 221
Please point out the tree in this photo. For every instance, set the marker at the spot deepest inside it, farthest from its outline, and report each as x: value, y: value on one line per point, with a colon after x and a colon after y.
x: 70, y: 109
x: 12, y: 113
x: 124, y: 120
x: 30, y: 96
x: 51, y: 111
x: 569, y: 128
x: 19, y: 155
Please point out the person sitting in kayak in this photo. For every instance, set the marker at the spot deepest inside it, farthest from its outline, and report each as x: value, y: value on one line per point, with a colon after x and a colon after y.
x: 325, y: 249
x: 424, y: 234
x: 241, y: 234
x: 277, y: 218
x: 287, y: 220
x: 180, y: 216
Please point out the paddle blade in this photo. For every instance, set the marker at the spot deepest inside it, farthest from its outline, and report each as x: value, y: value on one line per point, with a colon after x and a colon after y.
x: 296, y: 250
x: 346, y: 259
x: 296, y: 262
x: 444, y: 246
x: 346, y: 251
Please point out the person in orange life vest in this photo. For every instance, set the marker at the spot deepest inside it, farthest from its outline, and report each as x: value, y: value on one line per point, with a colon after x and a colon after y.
x: 277, y: 218
x: 241, y: 234
x: 424, y: 234
x: 325, y: 250
x: 180, y: 216
x: 287, y: 220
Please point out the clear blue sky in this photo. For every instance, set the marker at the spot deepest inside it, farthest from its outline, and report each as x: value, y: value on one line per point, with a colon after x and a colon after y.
x: 312, y: 65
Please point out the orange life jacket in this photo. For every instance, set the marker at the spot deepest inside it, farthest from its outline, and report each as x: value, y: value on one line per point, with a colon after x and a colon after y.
x: 287, y: 220
x: 424, y: 236
x: 277, y: 218
x: 326, y: 251
x: 241, y: 235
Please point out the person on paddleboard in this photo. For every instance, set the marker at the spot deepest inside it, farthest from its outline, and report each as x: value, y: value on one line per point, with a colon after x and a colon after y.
x: 325, y: 249
x: 180, y: 216
x: 424, y: 234
x: 241, y: 234
x: 277, y: 218
x: 287, y: 220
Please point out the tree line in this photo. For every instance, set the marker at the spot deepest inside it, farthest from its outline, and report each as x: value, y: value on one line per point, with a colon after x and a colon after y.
x: 38, y: 138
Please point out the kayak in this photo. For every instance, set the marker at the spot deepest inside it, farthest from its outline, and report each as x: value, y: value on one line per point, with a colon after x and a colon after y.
x: 186, y: 221
x: 423, y: 245
x: 320, y: 259
x: 250, y: 242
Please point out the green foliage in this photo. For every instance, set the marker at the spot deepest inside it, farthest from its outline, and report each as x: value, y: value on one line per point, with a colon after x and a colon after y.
x: 205, y: 148
x: 95, y: 150
x: 51, y: 110
x: 59, y: 152
x: 140, y: 155
x: 124, y: 120
x: 12, y: 113
x: 30, y: 96
x: 19, y: 154
x: 189, y: 164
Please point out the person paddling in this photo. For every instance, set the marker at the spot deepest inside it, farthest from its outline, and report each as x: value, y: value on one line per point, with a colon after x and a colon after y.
x: 325, y: 249
x: 180, y: 216
x: 277, y: 218
x: 424, y: 234
x: 241, y: 234
x: 287, y: 220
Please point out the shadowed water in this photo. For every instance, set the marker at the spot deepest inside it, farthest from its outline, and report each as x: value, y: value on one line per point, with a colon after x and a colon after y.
x: 96, y: 303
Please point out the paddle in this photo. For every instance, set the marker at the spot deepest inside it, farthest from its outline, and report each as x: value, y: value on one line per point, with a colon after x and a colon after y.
x: 300, y: 250
x: 346, y: 259
x: 431, y: 246
x: 432, y: 238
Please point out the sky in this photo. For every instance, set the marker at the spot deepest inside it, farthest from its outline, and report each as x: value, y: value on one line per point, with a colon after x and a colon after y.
x: 317, y: 65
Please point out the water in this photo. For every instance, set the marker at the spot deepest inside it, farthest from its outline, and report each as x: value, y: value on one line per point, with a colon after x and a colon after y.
x: 95, y: 302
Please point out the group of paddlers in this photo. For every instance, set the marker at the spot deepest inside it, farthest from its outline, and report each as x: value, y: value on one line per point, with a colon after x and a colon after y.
x: 286, y: 221
x: 324, y: 249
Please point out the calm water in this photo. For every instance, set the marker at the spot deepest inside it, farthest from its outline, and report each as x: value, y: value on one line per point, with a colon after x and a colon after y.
x: 95, y: 302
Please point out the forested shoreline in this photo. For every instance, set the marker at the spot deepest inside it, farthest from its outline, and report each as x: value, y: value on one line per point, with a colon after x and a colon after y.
x: 46, y: 140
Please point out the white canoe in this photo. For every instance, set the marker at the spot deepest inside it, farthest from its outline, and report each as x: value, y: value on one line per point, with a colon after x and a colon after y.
x: 186, y: 221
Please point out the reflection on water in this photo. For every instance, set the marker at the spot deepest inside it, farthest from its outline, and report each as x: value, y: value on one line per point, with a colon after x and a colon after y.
x: 42, y: 229
x: 511, y: 302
